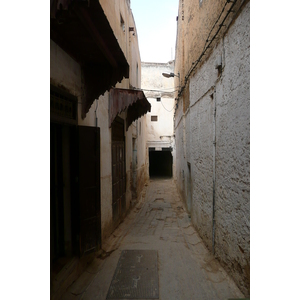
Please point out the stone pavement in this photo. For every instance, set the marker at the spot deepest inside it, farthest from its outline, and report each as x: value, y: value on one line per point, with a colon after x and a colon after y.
x: 186, y: 269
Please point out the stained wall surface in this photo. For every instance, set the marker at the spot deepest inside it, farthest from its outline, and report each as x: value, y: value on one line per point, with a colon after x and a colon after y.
x: 66, y: 73
x: 212, y: 130
x: 160, y: 122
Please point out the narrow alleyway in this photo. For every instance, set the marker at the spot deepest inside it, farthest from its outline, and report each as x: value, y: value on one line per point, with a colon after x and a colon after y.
x: 186, y: 269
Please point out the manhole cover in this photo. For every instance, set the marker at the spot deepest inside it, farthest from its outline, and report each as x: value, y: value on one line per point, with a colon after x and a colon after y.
x: 136, y: 276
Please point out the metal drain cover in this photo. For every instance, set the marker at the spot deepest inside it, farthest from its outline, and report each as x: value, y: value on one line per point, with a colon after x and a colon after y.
x: 136, y: 276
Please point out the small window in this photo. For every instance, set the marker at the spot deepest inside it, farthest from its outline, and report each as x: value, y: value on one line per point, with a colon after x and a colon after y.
x: 122, y: 23
x: 153, y: 118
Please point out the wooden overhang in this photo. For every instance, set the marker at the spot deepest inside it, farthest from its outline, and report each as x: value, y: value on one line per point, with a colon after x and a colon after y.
x: 81, y: 29
x: 134, y: 100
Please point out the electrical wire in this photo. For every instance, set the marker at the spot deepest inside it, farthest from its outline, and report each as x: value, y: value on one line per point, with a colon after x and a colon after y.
x: 161, y: 91
x: 166, y: 108
x: 205, y: 48
x: 166, y: 89
x: 215, y: 24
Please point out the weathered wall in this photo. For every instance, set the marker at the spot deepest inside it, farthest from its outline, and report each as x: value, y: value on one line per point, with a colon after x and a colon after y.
x: 162, y: 129
x: 129, y: 44
x: 197, y: 127
x: 152, y: 78
x: 113, y: 14
x: 128, y: 40
x: 66, y: 73
x: 142, y: 154
x: 159, y: 133
x: 180, y: 150
x: 233, y: 152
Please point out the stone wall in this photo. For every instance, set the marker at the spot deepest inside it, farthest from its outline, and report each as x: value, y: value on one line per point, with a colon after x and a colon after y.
x: 66, y: 73
x: 233, y: 152
x: 160, y: 133
x: 212, y: 129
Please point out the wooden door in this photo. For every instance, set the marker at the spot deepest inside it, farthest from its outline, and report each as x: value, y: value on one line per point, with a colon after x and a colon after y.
x: 89, y: 189
x: 118, y: 169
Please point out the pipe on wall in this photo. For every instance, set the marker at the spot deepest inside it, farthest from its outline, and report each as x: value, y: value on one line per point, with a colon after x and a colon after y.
x: 214, y: 170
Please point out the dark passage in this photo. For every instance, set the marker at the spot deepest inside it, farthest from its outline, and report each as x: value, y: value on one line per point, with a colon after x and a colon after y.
x: 160, y: 163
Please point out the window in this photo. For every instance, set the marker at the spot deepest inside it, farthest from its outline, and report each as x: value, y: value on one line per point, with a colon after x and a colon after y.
x: 153, y: 118
x: 63, y: 106
x: 122, y: 23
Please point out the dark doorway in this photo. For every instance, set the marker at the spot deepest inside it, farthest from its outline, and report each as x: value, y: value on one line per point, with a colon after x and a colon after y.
x: 89, y: 188
x: 118, y: 169
x: 75, y: 223
x: 74, y: 190
x: 62, y: 140
x: 160, y: 163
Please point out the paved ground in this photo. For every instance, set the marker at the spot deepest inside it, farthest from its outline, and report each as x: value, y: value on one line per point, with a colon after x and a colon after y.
x: 159, y: 222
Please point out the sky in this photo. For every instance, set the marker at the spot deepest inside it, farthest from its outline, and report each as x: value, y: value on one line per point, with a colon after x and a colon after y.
x: 156, y: 26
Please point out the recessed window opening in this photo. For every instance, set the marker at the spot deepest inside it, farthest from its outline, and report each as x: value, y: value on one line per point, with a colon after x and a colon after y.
x: 153, y: 118
x: 122, y: 23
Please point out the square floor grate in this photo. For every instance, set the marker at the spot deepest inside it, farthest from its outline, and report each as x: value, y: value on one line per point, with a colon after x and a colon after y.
x: 136, y: 276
